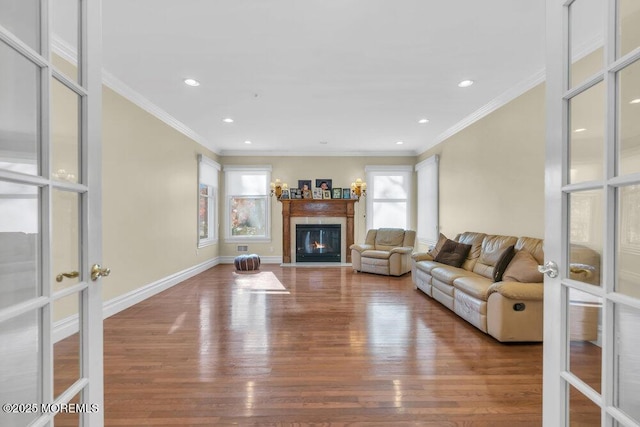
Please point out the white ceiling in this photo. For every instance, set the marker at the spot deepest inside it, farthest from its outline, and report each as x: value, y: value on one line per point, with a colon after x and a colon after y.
x: 356, y: 74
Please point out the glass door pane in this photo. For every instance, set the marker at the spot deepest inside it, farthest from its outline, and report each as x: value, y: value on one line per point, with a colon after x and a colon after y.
x: 22, y: 18
x: 628, y: 241
x: 20, y: 369
x: 585, y: 353
x: 65, y: 133
x: 19, y: 241
x: 586, y: 35
x: 66, y: 28
x: 627, y: 357
x: 629, y: 26
x: 19, y: 117
x: 586, y: 135
x: 628, y: 147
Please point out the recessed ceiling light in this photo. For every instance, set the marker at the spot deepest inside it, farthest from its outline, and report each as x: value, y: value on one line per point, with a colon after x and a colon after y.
x: 465, y: 83
x: 580, y: 130
x: 423, y: 121
x: 191, y: 82
x: 228, y: 120
x: 399, y: 143
x: 635, y: 101
x: 323, y: 142
x: 247, y: 142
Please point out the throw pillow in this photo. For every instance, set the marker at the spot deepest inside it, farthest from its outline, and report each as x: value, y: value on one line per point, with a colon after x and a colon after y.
x: 436, y: 249
x: 503, y: 261
x: 453, y: 253
x: 523, y: 268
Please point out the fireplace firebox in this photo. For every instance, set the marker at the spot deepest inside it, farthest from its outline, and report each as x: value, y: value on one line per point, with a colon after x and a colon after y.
x: 318, y: 243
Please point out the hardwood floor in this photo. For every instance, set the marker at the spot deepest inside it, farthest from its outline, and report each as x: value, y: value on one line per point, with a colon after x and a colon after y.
x: 329, y: 347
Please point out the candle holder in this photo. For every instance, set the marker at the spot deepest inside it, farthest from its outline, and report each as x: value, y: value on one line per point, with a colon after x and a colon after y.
x: 359, y: 188
x: 277, y: 187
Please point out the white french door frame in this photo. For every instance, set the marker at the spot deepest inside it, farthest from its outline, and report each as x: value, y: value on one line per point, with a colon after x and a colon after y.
x: 89, y: 385
x: 557, y: 376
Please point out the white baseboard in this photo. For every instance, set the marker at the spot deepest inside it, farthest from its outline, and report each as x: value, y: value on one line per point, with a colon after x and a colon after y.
x: 263, y: 259
x: 69, y: 325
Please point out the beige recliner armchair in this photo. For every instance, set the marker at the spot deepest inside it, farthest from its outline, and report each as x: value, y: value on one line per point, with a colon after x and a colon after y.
x: 385, y: 251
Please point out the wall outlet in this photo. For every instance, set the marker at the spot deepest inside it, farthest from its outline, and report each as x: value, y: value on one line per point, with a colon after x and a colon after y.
x: 242, y: 248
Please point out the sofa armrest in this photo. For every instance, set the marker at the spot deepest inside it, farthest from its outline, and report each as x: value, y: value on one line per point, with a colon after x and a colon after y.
x: 401, y: 250
x: 422, y: 256
x: 361, y: 248
x: 518, y: 290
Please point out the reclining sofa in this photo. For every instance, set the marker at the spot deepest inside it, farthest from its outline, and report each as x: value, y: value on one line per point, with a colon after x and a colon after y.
x: 496, y: 286
x: 385, y: 251
x: 506, y: 303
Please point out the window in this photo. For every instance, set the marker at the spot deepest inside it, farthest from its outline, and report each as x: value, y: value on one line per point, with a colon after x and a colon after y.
x: 427, y: 218
x: 207, y: 196
x: 388, y: 201
x: 247, y: 203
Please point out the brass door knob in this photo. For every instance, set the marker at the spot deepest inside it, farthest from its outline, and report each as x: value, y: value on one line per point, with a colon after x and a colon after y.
x: 70, y: 275
x: 97, y: 271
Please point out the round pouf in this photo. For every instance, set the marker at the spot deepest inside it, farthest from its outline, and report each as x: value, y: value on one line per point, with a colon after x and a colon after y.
x: 247, y: 262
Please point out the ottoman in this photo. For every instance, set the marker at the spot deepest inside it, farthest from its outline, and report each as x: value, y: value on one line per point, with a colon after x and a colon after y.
x: 247, y: 262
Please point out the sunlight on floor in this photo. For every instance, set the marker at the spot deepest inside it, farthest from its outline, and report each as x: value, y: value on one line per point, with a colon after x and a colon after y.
x: 262, y: 282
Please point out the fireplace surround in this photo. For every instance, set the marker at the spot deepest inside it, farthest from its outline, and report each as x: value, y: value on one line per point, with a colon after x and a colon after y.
x: 317, y: 211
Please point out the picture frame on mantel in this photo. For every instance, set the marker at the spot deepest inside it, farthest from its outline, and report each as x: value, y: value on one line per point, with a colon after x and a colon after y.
x: 337, y: 193
x: 321, y: 181
x: 317, y: 193
x: 304, y: 184
x: 346, y: 193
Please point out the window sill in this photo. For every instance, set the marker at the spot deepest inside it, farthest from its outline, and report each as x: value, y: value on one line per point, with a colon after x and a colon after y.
x: 205, y: 243
x: 247, y: 239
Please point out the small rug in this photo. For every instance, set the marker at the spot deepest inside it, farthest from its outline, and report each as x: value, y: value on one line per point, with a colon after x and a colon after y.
x: 261, y: 282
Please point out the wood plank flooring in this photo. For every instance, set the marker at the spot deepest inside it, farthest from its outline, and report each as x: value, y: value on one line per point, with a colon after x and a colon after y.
x: 332, y: 348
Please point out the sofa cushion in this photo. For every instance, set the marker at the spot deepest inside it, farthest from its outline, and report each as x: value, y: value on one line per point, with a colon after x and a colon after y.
x: 453, y: 253
x: 490, y: 253
x: 376, y: 254
x: 427, y: 266
x: 533, y: 246
x: 447, y: 274
x: 389, y: 238
x: 475, y: 240
x: 503, y: 262
x: 519, y: 291
x: 442, y: 239
x: 476, y: 286
x: 523, y: 268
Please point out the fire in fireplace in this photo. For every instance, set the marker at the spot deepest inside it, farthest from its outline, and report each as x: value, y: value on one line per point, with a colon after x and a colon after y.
x: 318, y: 243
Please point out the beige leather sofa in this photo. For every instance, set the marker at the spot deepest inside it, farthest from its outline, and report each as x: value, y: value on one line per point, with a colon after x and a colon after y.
x: 508, y: 310
x: 385, y: 251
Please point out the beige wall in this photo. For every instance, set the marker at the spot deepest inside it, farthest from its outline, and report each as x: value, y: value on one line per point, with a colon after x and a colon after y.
x: 492, y: 173
x: 150, y: 198
x: 341, y: 170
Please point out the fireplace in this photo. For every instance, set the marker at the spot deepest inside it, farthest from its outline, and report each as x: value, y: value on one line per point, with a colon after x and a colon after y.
x: 318, y: 242
x: 316, y: 211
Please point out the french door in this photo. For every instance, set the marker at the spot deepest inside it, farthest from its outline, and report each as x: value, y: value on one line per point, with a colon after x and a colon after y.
x: 592, y: 306
x: 50, y: 225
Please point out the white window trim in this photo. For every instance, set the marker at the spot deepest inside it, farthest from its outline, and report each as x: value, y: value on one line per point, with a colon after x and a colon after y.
x: 227, y: 206
x: 391, y: 169
x: 427, y: 234
x: 214, y: 220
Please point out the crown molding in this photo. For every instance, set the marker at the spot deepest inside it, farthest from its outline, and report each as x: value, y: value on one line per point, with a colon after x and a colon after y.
x: 583, y: 50
x: 68, y: 53
x: 243, y: 153
x: 490, y: 107
x: 135, y: 97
